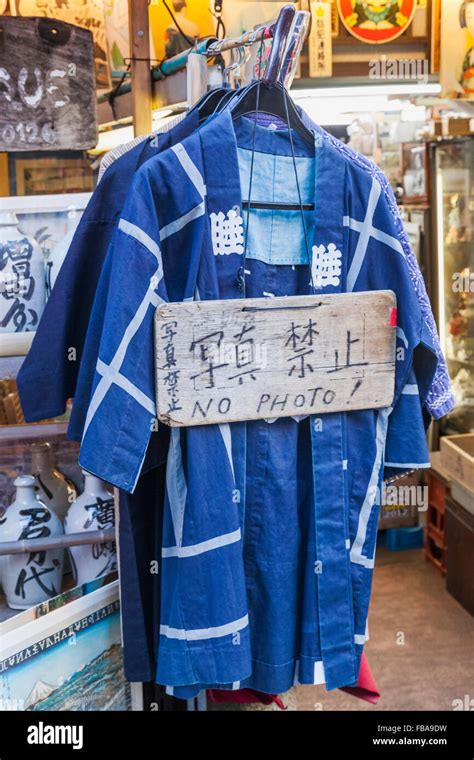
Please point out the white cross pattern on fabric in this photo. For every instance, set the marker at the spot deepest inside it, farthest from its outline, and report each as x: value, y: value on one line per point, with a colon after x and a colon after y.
x: 326, y: 265
x: 371, y: 495
x: 110, y: 374
x: 227, y: 232
x: 194, y: 550
x: 366, y: 231
x: 202, y: 634
x: 190, y: 168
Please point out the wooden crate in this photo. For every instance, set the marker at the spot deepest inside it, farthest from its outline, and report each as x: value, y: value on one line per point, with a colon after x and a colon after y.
x: 460, y: 543
x: 463, y: 495
x: 438, y: 492
x: 457, y: 457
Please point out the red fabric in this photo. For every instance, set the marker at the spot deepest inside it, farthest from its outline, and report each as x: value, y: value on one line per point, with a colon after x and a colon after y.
x: 244, y: 696
x: 366, y: 689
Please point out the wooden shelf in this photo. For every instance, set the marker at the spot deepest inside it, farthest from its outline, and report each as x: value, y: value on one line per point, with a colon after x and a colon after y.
x: 10, y: 366
x: 37, y: 430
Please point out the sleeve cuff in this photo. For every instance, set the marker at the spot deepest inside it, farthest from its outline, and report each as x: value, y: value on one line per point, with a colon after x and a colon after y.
x: 442, y: 406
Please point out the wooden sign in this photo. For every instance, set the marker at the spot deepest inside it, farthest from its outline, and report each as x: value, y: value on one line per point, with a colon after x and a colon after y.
x: 89, y: 14
x: 47, y: 86
x: 260, y: 358
x: 320, y: 40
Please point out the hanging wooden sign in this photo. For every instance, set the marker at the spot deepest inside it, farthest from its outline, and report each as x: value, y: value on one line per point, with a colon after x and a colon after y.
x: 224, y: 361
x: 47, y: 86
x: 320, y: 40
x: 88, y: 14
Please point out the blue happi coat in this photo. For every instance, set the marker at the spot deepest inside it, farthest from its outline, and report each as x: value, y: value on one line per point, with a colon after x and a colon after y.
x: 266, y: 571
x: 49, y: 374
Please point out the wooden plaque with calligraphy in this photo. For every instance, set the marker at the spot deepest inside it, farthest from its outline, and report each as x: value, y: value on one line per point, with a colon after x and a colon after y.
x: 47, y: 86
x: 260, y: 358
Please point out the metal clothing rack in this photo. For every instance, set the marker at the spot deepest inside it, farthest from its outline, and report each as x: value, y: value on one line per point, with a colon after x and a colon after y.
x: 289, y: 31
x: 142, y: 80
x: 291, y: 24
x: 56, y: 542
x: 246, y: 39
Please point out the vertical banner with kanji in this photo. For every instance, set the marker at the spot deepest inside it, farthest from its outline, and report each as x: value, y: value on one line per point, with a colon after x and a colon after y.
x: 320, y: 40
x: 334, y: 19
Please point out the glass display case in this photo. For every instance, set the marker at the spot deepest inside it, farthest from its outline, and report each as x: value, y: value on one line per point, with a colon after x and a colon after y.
x: 453, y: 207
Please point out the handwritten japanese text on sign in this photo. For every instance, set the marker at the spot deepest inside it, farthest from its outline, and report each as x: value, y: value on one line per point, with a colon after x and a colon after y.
x: 224, y: 361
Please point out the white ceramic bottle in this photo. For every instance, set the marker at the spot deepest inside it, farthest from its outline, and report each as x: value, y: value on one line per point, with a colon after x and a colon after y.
x: 30, y: 578
x: 53, y: 488
x: 92, y: 510
x: 22, y: 278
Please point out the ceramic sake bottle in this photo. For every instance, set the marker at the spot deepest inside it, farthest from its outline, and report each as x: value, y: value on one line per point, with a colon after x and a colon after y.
x: 53, y: 488
x: 22, y: 278
x: 92, y: 510
x: 30, y: 578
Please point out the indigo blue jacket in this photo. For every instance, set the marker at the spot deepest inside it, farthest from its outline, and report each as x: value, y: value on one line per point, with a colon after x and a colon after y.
x: 265, y: 571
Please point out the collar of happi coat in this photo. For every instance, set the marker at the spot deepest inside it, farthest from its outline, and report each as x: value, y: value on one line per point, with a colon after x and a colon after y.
x: 224, y: 193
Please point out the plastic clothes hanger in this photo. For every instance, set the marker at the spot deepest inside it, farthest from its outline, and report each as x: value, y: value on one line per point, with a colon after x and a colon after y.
x: 268, y: 95
x: 214, y: 100
x: 235, y: 66
x: 208, y: 103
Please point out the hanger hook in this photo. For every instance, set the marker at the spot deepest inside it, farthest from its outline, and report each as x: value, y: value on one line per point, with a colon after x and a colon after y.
x: 233, y: 65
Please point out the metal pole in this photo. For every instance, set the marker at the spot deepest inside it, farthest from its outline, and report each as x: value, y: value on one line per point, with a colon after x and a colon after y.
x: 57, y: 542
x: 248, y: 38
x: 209, y: 47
